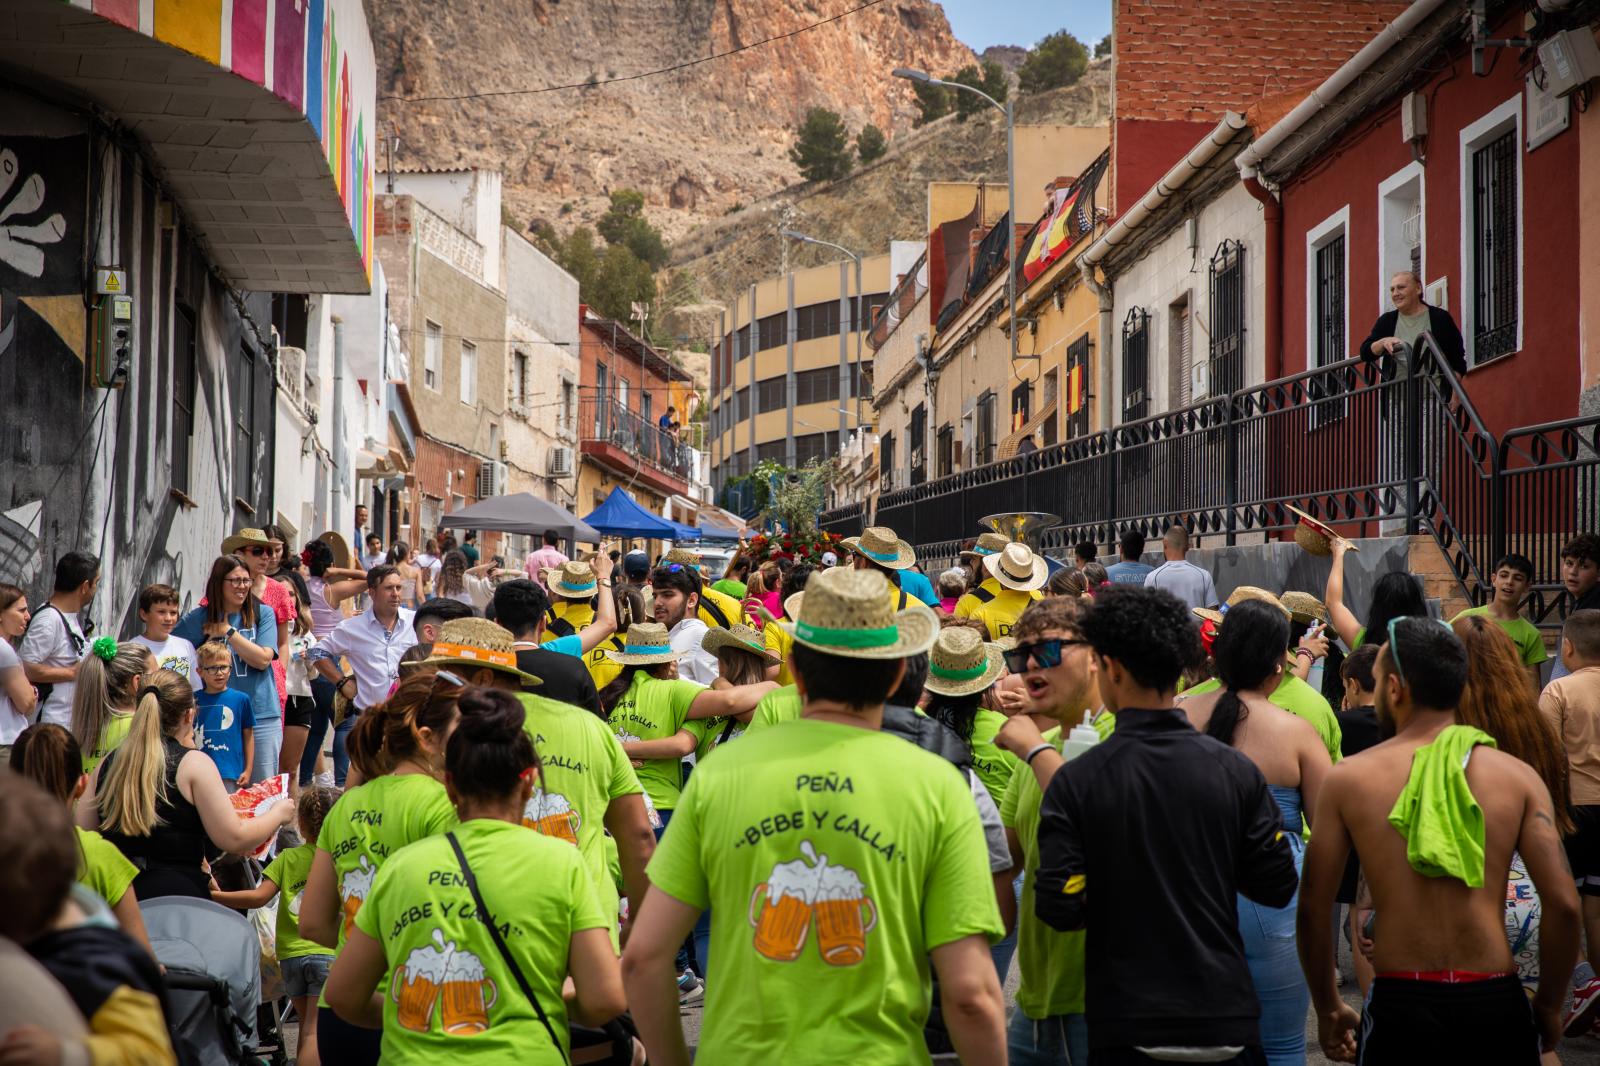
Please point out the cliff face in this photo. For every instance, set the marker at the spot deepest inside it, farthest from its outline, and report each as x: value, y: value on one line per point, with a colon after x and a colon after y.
x: 697, y: 142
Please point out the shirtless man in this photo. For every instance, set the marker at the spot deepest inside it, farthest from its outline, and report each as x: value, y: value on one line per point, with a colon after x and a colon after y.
x: 1446, y: 989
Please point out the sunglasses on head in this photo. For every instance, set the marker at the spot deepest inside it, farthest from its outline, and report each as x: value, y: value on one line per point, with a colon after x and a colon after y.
x: 1394, y: 645
x: 1046, y: 654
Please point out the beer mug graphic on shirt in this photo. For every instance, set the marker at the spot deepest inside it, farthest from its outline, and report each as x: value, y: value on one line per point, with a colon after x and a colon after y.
x: 841, y: 928
x: 353, y: 890
x: 783, y: 907
x: 466, y: 996
x: 551, y: 814
x: 415, y: 985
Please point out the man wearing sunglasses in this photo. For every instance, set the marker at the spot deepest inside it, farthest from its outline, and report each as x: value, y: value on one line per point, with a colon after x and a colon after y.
x: 1435, y: 812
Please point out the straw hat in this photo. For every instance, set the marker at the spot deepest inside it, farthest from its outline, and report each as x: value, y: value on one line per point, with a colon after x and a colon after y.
x: 1304, y: 607
x: 1238, y: 596
x: 684, y: 557
x: 1315, y: 537
x: 791, y: 605
x: 987, y: 544
x: 738, y: 636
x: 962, y: 663
x: 880, y: 544
x: 476, y: 642
x: 244, y: 538
x: 1016, y: 567
x: 341, y: 548
x: 847, y: 613
x: 571, y: 581
x: 647, y: 645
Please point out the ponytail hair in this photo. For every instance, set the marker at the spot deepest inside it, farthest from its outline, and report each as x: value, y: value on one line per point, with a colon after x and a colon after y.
x: 390, y: 733
x: 617, y: 688
x: 134, y: 780
x: 490, y: 752
x: 49, y: 756
x: 1249, y: 649
x: 103, y: 680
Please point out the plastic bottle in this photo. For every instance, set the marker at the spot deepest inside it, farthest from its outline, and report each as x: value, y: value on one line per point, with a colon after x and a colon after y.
x: 1081, y: 739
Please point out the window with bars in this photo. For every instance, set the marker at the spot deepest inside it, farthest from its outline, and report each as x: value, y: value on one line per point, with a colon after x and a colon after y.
x: 771, y: 331
x: 1226, y: 355
x: 815, y: 447
x: 244, y: 424
x: 886, y: 456
x: 1494, y: 252
x: 741, y: 404
x: 1328, y: 294
x: 1136, y: 365
x: 185, y: 375
x: 772, y: 395
x: 918, y: 435
x: 1078, y: 387
x: 816, y: 386
x: 983, y: 439
x: 945, y: 452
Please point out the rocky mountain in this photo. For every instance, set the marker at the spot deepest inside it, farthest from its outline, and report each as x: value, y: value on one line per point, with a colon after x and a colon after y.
x: 698, y: 141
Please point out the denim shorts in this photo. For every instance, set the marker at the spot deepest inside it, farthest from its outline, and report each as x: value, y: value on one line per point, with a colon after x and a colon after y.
x: 305, y: 976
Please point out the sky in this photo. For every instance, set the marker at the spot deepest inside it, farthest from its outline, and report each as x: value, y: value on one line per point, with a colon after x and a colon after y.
x: 981, y: 23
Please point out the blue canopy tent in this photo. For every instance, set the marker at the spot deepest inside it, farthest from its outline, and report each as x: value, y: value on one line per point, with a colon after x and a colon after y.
x: 683, y: 532
x: 621, y: 516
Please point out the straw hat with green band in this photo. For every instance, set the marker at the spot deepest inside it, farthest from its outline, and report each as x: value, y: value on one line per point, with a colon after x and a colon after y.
x: 880, y: 544
x: 847, y: 613
x: 476, y: 642
x: 738, y: 636
x: 647, y: 645
x: 572, y: 581
x: 962, y: 663
x: 1238, y: 596
x: 244, y: 538
x: 987, y: 544
x: 791, y: 605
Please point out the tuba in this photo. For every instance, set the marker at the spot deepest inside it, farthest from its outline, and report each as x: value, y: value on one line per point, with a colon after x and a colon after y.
x: 1026, y: 526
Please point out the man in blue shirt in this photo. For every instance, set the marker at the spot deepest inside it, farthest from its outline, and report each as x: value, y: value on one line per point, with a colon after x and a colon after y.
x: 1130, y: 571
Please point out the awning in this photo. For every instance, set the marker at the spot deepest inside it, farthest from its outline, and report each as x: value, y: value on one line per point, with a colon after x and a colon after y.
x: 683, y: 532
x: 521, y: 512
x: 621, y: 516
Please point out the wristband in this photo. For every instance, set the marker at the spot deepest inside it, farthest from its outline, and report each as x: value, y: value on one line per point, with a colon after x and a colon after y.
x: 1306, y: 652
x: 1035, y: 750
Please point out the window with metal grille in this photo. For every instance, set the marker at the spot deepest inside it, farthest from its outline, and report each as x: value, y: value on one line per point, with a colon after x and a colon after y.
x: 983, y: 440
x: 772, y: 449
x: 771, y: 331
x: 741, y: 404
x: 815, y: 447
x: 816, y: 320
x: 185, y: 375
x: 919, y: 442
x: 1078, y: 387
x: 1494, y: 248
x: 886, y: 455
x: 772, y: 395
x: 1330, y: 301
x: 944, y: 452
x: 244, y: 424
x: 1136, y: 365
x: 816, y: 386
x: 1226, y: 356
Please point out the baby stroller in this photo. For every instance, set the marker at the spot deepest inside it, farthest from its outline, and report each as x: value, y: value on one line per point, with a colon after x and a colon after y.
x: 213, y: 961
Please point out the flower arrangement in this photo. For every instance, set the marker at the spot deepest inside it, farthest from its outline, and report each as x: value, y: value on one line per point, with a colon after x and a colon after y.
x: 801, y: 547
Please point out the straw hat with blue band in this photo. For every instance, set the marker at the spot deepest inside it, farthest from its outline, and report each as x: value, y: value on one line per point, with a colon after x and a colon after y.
x: 475, y: 642
x: 880, y: 544
x: 848, y: 613
x: 647, y: 645
x: 572, y: 581
x: 987, y: 544
x: 962, y: 663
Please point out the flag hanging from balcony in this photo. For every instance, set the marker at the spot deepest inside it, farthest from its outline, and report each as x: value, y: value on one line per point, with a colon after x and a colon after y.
x: 1071, y: 217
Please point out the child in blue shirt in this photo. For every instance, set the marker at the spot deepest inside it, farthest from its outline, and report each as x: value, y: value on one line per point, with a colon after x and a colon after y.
x: 224, y: 717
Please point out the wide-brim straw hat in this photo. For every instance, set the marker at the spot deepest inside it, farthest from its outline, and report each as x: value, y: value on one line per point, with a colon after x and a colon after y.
x: 1304, y: 607
x: 341, y: 548
x: 741, y: 637
x: 476, y: 642
x: 1313, y: 535
x: 244, y: 538
x: 683, y: 556
x: 847, y: 613
x: 879, y: 544
x: 1016, y: 567
x: 791, y: 605
x: 986, y: 544
x: 961, y: 663
x: 1238, y: 596
x: 571, y: 581
x: 647, y: 645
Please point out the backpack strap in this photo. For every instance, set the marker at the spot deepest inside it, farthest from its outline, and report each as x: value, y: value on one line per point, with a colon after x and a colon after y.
x: 982, y: 595
x: 719, y: 617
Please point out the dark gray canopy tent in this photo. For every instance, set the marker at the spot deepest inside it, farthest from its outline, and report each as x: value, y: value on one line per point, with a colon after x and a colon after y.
x: 521, y: 512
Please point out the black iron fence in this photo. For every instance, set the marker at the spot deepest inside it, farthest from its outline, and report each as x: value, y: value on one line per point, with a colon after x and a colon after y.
x: 1388, y: 446
x: 609, y: 421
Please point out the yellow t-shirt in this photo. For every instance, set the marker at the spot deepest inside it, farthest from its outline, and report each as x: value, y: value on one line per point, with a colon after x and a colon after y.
x: 780, y: 643
x: 574, y: 613
x: 724, y: 602
x: 999, y: 609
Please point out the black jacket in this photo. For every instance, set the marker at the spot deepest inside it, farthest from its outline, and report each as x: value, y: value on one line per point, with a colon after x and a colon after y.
x: 565, y: 677
x: 928, y: 735
x: 1144, y: 840
x: 1445, y: 334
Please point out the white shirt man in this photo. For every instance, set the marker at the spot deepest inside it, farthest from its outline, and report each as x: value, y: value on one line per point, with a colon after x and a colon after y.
x: 676, y: 606
x: 373, y: 641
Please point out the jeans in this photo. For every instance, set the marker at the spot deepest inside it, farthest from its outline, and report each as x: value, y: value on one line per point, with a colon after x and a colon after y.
x: 1269, y: 949
x: 1002, y: 952
x: 322, y: 692
x: 1062, y: 1040
x: 269, y: 744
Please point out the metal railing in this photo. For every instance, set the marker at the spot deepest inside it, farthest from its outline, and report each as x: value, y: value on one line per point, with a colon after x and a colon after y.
x: 1371, y: 447
x: 608, y: 421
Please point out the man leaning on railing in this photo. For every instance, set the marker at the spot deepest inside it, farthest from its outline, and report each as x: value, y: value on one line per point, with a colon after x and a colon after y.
x: 1395, y: 332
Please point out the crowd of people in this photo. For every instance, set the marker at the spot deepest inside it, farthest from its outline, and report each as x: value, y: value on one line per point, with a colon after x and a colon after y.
x: 530, y: 805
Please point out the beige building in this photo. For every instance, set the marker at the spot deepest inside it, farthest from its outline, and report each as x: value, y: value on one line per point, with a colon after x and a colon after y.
x: 542, y: 374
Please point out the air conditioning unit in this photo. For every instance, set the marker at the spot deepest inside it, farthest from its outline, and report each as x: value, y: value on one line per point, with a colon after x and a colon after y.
x: 560, y: 462
x: 491, y: 480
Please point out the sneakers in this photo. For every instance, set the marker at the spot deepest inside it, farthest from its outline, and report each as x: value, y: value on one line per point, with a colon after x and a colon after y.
x: 691, y: 990
x: 1581, y: 1014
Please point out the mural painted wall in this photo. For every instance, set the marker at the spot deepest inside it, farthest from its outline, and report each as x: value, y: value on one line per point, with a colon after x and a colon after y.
x: 315, y: 55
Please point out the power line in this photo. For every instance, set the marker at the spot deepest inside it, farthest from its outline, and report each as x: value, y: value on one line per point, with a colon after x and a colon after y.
x: 592, y: 83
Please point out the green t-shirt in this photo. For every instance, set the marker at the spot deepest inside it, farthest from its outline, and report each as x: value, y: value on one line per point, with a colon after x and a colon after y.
x: 779, y: 705
x: 1049, y: 963
x: 711, y: 733
x: 289, y: 872
x: 102, y: 867
x: 112, y: 734
x: 446, y: 979
x: 584, y: 769
x: 993, y: 764
x: 729, y: 587
x: 653, y: 709
x: 1298, y: 698
x: 1523, y: 633
x: 833, y: 859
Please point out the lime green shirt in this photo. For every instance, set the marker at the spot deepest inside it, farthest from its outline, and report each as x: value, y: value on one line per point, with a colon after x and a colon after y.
x: 653, y: 709
x: 584, y: 769
x: 289, y: 872
x: 1437, y: 813
x: 112, y: 734
x: 833, y: 859
x: 1049, y: 963
x: 779, y: 705
x: 1300, y: 699
x: 447, y: 980
x: 1523, y: 633
x: 993, y: 764
x: 102, y: 867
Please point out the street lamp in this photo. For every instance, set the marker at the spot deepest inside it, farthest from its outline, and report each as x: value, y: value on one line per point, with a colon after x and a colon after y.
x: 922, y: 77
x: 844, y: 377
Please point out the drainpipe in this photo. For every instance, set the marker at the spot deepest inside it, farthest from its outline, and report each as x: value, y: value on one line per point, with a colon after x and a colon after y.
x: 340, y: 454
x: 1272, y: 216
x: 1103, y: 293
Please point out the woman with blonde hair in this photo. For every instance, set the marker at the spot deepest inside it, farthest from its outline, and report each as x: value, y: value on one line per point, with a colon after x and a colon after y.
x: 161, y: 801
x: 102, y: 703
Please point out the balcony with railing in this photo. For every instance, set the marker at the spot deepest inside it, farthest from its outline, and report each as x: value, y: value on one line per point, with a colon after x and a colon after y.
x: 628, y: 445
